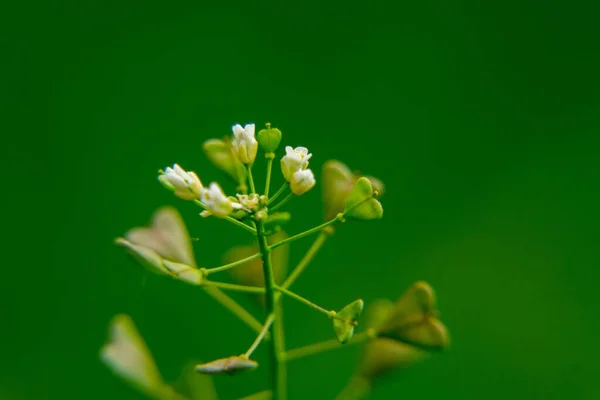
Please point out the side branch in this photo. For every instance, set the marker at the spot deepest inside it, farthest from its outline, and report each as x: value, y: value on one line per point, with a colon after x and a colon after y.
x: 339, y: 217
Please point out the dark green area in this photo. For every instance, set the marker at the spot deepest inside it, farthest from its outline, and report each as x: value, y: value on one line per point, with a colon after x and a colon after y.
x: 481, y: 117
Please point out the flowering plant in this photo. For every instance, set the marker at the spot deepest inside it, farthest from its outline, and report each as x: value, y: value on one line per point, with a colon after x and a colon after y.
x: 395, y: 335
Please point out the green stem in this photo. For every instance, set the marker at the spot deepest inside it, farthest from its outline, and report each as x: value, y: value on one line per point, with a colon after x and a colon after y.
x: 234, y: 288
x: 277, y: 194
x: 234, y: 307
x: 231, y: 265
x: 305, y: 301
x: 282, y: 202
x: 308, y: 257
x: 279, y: 389
x: 230, y: 219
x: 280, y: 348
x: 269, y: 157
x: 306, y: 233
x: 327, y: 345
x: 261, y: 335
x: 251, y: 179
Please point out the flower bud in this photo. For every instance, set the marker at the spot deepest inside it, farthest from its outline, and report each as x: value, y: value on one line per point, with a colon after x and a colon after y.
x: 244, y: 144
x: 302, y: 181
x: 269, y: 139
x: 184, y: 184
x: 216, y: 202
x: 294, y: 160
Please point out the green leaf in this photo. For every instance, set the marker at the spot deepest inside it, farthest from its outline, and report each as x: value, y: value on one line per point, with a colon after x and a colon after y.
x: 230, y: 365
x: 220, y: 153
x: 414, y: 319
x: 346, y: 319
x: 127, y: 356
x: 361, y: 203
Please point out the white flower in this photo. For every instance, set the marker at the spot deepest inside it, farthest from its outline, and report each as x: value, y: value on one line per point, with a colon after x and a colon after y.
x: 302, y: 181
x: 216, y: 202
x: 293, y: 161
x: 244, y: 144
x: 186, y: 185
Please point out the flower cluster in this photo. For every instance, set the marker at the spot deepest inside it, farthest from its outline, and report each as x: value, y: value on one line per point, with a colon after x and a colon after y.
x: 243, y: 148
x: 396, y: 334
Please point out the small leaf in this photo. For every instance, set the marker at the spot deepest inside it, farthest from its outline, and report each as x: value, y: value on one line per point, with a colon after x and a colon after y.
x: 220, y: 153
x: 184, y: 272
x: 346, y: 319
x: 361, y: 204
x: 126, y: 355
x: 382, y: 355
x: 146, y: 256
x: 230, y: 365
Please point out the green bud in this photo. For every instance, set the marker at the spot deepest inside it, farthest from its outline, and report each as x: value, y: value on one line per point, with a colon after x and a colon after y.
x: 346, y: 319
x: 269, y: 139
x: 361, y: 203
x: 230, y: 365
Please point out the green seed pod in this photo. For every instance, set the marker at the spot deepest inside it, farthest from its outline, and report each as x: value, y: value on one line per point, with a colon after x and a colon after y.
x: 269, y: 139
x: 382, y: 355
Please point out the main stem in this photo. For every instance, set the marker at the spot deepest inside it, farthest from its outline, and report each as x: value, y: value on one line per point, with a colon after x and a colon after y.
x: 277, y: 365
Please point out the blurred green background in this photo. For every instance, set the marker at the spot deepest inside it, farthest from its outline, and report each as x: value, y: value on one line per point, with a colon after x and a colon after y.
x: 481, y: 117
